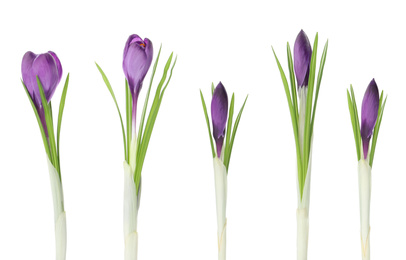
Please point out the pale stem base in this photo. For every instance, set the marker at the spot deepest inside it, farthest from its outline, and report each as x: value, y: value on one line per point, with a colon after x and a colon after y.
x: 131, y: 205
x: 59, y: 213
x: 220, y: 182
x: 364, y: 182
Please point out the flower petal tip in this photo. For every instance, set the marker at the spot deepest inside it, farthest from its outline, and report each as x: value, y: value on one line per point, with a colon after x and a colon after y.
x: 369, y: 114
x: 302, y: 55
x: 219, y: 112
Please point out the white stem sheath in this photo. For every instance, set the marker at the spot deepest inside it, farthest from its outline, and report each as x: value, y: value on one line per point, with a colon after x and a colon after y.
x: 364, y: 182
x: 131, y: 204
x: 220, y: 182
x: 302, y: 215
x: 59, y: 212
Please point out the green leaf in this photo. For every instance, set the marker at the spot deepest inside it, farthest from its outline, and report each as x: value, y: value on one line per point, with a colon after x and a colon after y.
x: 208, y: 124
x: 128, y: 113
x: 44, y: 138
x: 354, y: 128
x: 357, y: 127
x: 151, y: 121
x: 292, y: 82
x: 61, y: 107
x: 309, y: 105
x: 237, y: 122
x: 294, y: 125
x: 227, y: 151
x: 50, y: 127
x: 319, y: 77
x: 212, y: 89
x: 376, y: 129
x: 144, y: 110
x: 106, y: 81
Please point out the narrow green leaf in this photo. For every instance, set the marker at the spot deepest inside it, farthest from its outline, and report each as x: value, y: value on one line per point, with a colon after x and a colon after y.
x: 50, y: 127
x: 212, y: 89
x: 151, y: 121
x: 237, y: 122
x: 309, y: 105
x: 44, y: 138
x: 354, y: 128
x: 106, y: 81
x: 376, y: 129
x: 208, y: 124
x: 294, y: 125
x: 319, y: 77
x: 228, y: 132
x: 357, y: 127
x: 128, y: 115
x: 292, y: 82
x: 144, y: 110
x: 61, y: 108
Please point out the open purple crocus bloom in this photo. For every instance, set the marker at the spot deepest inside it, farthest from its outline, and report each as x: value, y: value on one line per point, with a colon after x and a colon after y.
x: 219, y: 111
x: 48, y: 68
x: 369, y: 114
x: 302, y: 55
x: 137, y: 59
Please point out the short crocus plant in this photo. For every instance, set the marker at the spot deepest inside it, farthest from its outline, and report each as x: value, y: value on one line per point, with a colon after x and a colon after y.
x: 137, y: 59
x: 371, y: 118
x: 223, y: 135
x: 303, y: 66
x: 41, y: 75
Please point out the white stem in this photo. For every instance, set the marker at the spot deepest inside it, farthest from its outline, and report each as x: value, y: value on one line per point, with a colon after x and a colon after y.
x: 302, y: 215
x: 131, y: 204
x: 59, y: 212
x: 364, y: 182
x: 302, y: 114
x: 220, y: 182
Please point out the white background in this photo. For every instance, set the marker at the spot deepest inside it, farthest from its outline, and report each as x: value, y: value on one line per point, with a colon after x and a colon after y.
x: 214, y: 40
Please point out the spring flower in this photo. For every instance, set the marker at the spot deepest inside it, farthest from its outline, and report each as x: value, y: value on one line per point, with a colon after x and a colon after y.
x: 137, y: 58
x: 302, y: 54
x: 48, y: 68
x: 369, y: 114
x: 219, y: 106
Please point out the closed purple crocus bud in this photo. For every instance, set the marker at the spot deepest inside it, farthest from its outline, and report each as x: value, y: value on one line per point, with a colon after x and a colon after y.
x: 302, y: 55
x: 219, y: 111
x: 48, y: 68
x: 137, y: 59
x: 369, y: 114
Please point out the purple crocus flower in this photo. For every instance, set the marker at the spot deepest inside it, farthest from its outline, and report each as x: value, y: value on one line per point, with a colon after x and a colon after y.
x: 302, y: 55
x: 48, y: 68
x: 369, y: 114
x: 219, y: 111
x: 137, y: 59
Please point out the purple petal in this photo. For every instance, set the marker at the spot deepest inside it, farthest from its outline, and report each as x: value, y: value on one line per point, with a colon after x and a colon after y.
x: 58, y: 65
x: 47, y: 68
x: 219, y: 111
x: 302, y: 54
x: 137, y: 58
x: 369, y: 114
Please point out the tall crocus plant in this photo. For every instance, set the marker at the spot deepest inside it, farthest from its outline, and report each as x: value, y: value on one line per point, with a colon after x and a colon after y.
x: 371, y: 118
x: 41, y: 74
x: 305, y: 87
x: 223, y: 135
x: 137, y: 58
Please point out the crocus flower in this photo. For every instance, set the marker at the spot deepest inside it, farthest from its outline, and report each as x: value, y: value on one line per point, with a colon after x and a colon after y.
x: 137, y: 59
x: 302, y: 55
x: 48, y: 68
x: 219, y: 111
x: 369, y: 114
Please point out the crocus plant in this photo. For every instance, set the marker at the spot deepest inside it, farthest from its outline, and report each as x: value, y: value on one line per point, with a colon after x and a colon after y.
x: 371, y: 118
x: 304, y: 69
x: 221, y: 153
x: 137, y: 59
x: 41, y: 75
